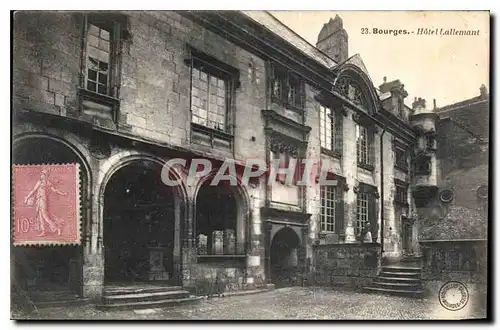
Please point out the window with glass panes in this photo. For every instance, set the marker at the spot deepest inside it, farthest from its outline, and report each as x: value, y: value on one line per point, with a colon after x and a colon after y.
x: 362, y: 211
x: 286, y: 88
x: 401, y: 193
x: 329, y: 199
x: 208, y: 99
x: 98, y: 59
x: 400, y: 158
x: 363, y: 145
x: 330, y: 130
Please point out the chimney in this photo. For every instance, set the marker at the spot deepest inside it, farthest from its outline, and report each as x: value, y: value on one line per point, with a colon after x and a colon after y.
x: 434, y: 101
x: 483, y: 92
x: 418, y: 104
x: 332, y: 40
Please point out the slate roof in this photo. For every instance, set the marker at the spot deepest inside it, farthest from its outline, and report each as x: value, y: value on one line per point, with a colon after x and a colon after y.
x: 270, y: 22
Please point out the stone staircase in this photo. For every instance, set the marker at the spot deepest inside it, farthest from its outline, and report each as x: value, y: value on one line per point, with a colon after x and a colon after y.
x: 400, y: 280
x: 143, y: 296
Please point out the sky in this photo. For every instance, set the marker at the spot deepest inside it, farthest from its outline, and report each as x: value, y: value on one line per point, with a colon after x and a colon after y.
x: 446, y: 68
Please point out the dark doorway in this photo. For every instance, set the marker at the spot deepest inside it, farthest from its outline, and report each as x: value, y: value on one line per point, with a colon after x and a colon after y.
x: 216, y: 221
x: 407, y: 234
x: 285, y: 268
x: 139, y: 225
x: 48, y: 268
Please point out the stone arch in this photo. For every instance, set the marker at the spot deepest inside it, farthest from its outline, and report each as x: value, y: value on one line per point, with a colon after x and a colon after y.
x: 278, y: 228
x: 356, y: 75
x: 284, y: 256
x: 242, y: 200
x: 121, y: 160
x: 115, y: 165
x: 68, y: 142
x: 65, y: 148
x: 239, y: 188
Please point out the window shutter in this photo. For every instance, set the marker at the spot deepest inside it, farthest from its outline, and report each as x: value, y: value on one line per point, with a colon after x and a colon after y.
x: 371, y: 147
x: 372, y: 216
x: 339, y: 211
x: 338, y: 132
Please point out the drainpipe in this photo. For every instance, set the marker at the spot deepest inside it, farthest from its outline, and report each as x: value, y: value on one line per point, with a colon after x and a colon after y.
x: 382, y: 191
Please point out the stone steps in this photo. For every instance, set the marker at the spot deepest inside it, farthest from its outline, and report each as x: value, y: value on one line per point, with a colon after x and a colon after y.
x: 145, y: 304
x: 398, y: 280
x: 113, y: 291
x: 140, y: 296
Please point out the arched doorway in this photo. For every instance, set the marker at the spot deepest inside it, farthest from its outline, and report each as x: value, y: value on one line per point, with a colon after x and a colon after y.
x: 284, y: 258
x: 221, y: 222
x: 47, y: 270
x: 141, y: 228
x: 216, y: 221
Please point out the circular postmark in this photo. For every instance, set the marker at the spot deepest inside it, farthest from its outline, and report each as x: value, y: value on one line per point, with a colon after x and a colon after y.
x: 453, y: 296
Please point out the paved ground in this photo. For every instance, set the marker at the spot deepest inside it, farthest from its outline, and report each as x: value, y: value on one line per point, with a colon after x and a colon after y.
x: 286, y: 303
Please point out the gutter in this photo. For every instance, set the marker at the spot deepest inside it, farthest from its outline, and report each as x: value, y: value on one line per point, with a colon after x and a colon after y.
x: 382, y: 191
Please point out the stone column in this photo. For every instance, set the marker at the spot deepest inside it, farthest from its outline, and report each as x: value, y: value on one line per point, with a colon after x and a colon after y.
x: 178, y: 216
x: 93, y: 250
x: 189, y: 252
x: 349, y: 168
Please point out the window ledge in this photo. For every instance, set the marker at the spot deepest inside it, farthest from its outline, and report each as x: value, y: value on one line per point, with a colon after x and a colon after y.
x: 99, y: 98
x: 212, y: 132
x: 287, y: 105
x: 423, y: 173
x: 368, y: 167
x: 401, y: 168
x: 332, y: 153
x: 405, y: 204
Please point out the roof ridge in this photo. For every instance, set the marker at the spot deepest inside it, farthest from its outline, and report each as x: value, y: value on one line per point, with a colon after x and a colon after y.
x: 300, y: 37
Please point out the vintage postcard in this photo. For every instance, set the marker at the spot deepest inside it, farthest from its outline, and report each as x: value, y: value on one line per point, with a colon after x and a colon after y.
x: 244, y: 165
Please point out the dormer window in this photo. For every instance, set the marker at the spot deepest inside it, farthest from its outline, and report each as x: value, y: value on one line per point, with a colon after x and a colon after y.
x: 365, y: 147
x: 331, y: 131
x: 287, y: 88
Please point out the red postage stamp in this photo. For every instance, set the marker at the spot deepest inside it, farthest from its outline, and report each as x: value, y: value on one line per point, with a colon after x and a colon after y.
x: 46, y: 202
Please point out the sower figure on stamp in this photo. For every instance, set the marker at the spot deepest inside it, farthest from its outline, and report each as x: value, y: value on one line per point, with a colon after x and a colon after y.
x: 42, y: 190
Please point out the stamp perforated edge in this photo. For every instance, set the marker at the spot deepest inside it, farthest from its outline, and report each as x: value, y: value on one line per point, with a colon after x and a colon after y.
x: 75, y: 242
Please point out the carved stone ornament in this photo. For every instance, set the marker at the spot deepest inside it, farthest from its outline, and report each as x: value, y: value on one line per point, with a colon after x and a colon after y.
x: 356, y: 117
x: 279, y: 144
x: 99, y: 149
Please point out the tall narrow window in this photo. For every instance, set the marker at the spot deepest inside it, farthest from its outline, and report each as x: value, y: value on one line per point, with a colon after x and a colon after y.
x: 209, y: 99
x: 332, y: 216
x: 331, y: 130
x: 98, y: 59
x: 362, y: 219
x: 401, y: 196
x: 363, y: 146
x: 103, y: 35
x: 366, y: 215
x: 400, y: 160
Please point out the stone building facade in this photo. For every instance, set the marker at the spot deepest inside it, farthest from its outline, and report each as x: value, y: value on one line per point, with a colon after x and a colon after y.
x: 453, y: 215
x: 121, y: 93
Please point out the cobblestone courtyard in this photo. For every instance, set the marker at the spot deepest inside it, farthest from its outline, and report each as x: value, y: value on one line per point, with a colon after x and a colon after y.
x: 287, y: 303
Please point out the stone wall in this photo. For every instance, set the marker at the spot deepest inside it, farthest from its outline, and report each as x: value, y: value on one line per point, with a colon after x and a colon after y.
x: 465, y: 261
x: 345, y: 265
